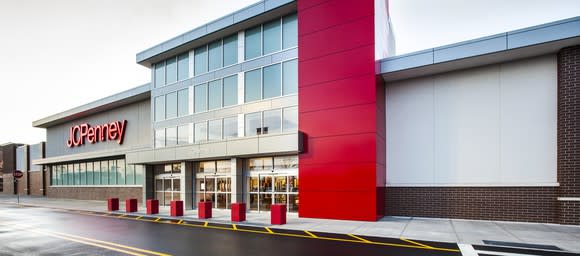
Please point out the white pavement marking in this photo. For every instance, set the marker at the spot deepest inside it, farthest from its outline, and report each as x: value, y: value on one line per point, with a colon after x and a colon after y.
x: 467, y: 250
x: 505, y: 253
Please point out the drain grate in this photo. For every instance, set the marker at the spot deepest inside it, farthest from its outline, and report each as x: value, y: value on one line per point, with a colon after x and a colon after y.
x: 523, y: 245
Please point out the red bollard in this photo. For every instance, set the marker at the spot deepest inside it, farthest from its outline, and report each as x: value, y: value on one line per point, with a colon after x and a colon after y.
x: 131, y: 205
x: 278, y: 214
x: 238, y: 212
x: 113, y: 204
x: 152, y: 206
x: 204, y: 210
x: 176, y: 208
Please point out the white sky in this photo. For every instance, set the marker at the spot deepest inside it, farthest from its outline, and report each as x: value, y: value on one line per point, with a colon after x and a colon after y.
x: 59, y: 54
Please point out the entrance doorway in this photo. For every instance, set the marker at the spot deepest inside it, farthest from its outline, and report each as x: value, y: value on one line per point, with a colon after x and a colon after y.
x: 273, y: 188
x: 167, y: 189
x: 215, y: 188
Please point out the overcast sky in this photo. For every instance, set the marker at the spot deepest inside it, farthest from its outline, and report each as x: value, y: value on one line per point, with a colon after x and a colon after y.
x: 59, y: 54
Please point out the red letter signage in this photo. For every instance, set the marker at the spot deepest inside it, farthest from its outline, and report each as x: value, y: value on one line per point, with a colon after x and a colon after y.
x: 111, y: 131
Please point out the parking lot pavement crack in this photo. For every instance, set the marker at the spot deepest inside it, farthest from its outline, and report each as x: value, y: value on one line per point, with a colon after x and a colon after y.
x: 507, y: 231
x: 454, y: 231
x: 405, y: 227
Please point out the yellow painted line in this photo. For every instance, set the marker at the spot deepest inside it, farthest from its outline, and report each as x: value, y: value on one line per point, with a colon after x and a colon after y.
x: 235, y: 227
x: 113, y: 244
x: 416, y: 243
x: 359, y: 238
x: 205, y: 224
x: 121, y: 216
x: 269, y: 230
x: 138, y: 218
x: 312, y: 235
x: 180, y: 221
x: 156, y: 220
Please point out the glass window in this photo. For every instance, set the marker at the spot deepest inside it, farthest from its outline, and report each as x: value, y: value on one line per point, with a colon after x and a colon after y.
x: 215, y: 94
x: 183, y: 134
x: 200, y: 60
x: 200, y: 132
x: 215, y: 129
x: 112, y: 172
x: 183, y: 102
x: 200, y: 98
x: 160, y: 74
x: 231, y: 50
x: 89, y: 173
x: 171, y: 105
x: 77, y: 176
x: 272, y: 36
x: 171, y: 136
x: 272, y: 81
x: 231, y: 127
x: 289, y: 31
x: 139, y: 170
x: 160, y: 138
x: 97, y: 173
x: 207, y: 166
x: 121, y: 172
x: 224, y: 166
x: 171, y: 70
x: 159, y: 108
x: 290, y: 77
x: 183, y: 66
x: 83, y: 174
x: 104, y: 172
x: 272, y: 122
x: 262, y: 163
x: 290, y: 122
x: 231, y: 90
x: 285, y: 162
x: 252, y: 85
x: 215, y: 55
x: 253, y: 123
x: 130, y: 174
x: 70, y: 175
x: 64, y: 175
x: 253, y: 42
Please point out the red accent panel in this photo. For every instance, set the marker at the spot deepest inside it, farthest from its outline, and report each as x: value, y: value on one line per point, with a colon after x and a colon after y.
x: 238, y: 212
x: 336, y: 94
x: 332, y: 13
x: 152, y: 206
x: 131, y: 205
x: 336, y: 40
x: 353, y: 120
x: 358, y: 148
x: 278, y: 214
x: 176, y: 208
x: 204, y: 210
x: 337, y: 177
x: 334, y: 67
x: 302, y: 5
x: 349, y: 205
x: 113, y: 204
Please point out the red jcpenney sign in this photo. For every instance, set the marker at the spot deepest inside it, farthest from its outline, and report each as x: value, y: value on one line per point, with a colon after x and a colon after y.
x: 93, y: 134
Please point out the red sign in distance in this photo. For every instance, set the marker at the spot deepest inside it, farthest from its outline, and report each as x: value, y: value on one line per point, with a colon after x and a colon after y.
x: 17, y: 174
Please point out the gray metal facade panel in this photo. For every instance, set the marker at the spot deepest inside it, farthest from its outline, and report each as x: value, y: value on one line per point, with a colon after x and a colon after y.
x: 285, y: 55
x: 35, y: 153
x: 22, y: 158
x: 189, y: 36
x: 249, y: 12
x: 481, y: 46
x: 544, y: 34
x: 418, y: 59
x: 220, y: 23
x: 272, y: 4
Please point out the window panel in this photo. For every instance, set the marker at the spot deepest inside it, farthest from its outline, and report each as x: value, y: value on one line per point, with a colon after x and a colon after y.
x: 215, y: 129
x: 272, y: 36
x: 252, y: 85
x: 90, y: 173
x: 171, y: 136
x: 139, y: 172
x: 112, y: 172
x: 104, y: 172
x: 285, y: 162
x: 200, y: 98
x: 207, y: 166
x: 290, y: 77
x: 253, y: 122
x: 200, y: 132
x: 130, y: 171
x: 261, y: 163
x: 215, y: 94
x: 97, y: 173
x: 160, y: 74
x: 159, y: 108
x: 231, y: 50
x: 171, y: 105
x: 121, y: 172
x: 200, y: 60
x: 215, y: 55
x: 183, y: 134
x: 289, y: 31
x: 183, y: 66
x: 272, y: 121
x: 231, y: 90
x: 77, y: 176
x: 253, y: 42
x: 171, y: 70
x: 160, y: 138
x: 83, y: 174
x: 272, y: 81
x: 290, y: 122
x: 231, y: 127
x: 183, y: 102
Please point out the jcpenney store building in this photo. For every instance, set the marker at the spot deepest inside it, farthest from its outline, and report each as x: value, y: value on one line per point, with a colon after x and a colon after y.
x: 298, y: 102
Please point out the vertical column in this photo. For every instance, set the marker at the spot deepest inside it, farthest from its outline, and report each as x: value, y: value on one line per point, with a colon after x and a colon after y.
x: 568, y: 136
x: 237, y: 180
x: 186, y: 185
x: 341, y: 171
x: 148, y: 182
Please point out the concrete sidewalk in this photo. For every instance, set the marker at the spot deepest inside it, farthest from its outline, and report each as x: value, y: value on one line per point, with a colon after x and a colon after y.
x: 565, y: 237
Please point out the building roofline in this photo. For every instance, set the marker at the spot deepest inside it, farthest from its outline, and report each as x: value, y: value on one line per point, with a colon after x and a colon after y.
x: 518, y: 44
x: 248, y: 16
x: 132, y: 95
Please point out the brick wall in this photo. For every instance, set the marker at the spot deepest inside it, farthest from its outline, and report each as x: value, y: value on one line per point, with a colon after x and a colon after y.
x: 569, y: 133
x: 530, y: 204
x: 95, y: 193
x: 35, y: 183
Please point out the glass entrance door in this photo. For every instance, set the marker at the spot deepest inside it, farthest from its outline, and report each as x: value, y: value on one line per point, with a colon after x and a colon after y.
x: 217, y: 189
x: 269, y: 188
x: 167, y: 189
